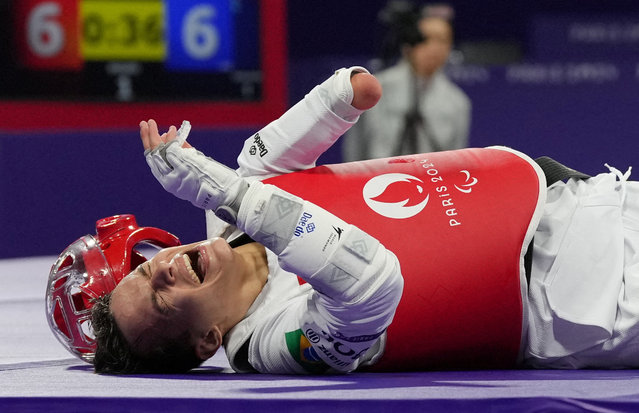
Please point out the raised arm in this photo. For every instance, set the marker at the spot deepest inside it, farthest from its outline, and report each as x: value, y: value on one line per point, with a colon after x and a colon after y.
x: 297, y: 139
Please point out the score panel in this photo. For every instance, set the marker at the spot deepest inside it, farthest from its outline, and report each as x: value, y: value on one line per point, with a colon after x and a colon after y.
x: 72, y: 64
x: 46, y: 34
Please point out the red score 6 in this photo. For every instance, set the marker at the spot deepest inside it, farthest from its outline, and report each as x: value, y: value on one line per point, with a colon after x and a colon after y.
x: 47, y: 34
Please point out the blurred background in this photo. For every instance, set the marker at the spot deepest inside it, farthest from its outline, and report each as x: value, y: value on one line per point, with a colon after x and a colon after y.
x: 76, y: 77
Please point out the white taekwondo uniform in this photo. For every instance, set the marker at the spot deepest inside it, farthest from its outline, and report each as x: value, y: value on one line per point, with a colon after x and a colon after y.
x: 580, y: 310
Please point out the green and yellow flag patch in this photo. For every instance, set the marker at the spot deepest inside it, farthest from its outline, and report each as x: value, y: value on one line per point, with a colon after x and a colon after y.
x: 303, y: 353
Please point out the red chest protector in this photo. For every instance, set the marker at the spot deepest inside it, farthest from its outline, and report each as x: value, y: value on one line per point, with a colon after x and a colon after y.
x: 460, y: 223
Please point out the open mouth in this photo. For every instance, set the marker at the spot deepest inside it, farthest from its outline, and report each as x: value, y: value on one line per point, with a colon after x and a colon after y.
x: 195, y: 266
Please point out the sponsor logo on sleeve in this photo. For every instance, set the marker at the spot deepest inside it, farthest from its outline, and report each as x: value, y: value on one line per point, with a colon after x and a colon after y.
x: 357, y: 339
x: 258, y: 146
x: 304, y: 225
x: 336, y: 352
x: 339, y: 231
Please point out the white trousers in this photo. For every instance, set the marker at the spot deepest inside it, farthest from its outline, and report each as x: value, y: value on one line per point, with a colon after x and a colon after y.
x: 583, y: 302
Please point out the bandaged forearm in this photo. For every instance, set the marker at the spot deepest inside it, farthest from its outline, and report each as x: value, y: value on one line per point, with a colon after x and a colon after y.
x: 331, y: 255
x: 297, y: 139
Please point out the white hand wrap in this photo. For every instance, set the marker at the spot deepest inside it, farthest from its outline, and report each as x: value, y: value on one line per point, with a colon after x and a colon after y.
x: 190, y: 175
x: 328, y: 253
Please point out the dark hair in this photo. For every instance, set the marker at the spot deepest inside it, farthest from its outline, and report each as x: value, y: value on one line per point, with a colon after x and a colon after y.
x: 114, y: 355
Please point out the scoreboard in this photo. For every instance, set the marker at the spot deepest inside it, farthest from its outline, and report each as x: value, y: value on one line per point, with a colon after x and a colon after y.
x: 183, y: 34
x: 122, y: 53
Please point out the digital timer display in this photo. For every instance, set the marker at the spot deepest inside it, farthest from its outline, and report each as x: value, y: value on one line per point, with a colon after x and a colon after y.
x: 122, y: 30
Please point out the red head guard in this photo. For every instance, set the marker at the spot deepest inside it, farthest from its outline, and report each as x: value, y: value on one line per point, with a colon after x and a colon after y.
x: 91, y: 267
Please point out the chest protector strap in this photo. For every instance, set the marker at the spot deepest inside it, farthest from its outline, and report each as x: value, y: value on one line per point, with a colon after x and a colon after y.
x: 459, y: 222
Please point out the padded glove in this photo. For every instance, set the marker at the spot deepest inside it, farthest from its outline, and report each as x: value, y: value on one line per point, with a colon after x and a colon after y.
x: 190, y: 175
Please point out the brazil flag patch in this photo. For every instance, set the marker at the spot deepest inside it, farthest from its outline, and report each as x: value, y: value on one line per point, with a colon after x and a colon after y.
x: 303, y: 353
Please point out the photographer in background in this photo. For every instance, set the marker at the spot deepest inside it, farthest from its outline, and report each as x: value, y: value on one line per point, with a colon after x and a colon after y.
x: 421, y: 110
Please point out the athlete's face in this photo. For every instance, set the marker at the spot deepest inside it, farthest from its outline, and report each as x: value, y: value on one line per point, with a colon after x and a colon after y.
x: 431, y: 54
x: 185, y: 288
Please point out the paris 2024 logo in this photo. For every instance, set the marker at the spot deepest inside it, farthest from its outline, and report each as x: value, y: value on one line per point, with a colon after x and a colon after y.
x: 399, y: 195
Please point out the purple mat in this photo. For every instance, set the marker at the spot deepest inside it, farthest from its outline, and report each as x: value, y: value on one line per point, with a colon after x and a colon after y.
x: 37, y: 374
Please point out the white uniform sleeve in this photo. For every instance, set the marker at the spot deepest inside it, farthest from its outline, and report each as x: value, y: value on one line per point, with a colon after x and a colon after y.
x: 298, y: 138
x: 312, y: 333
x: 357, y: 282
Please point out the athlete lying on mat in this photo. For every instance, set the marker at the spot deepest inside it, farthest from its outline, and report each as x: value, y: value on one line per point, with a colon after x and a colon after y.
x: 471, y: 297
